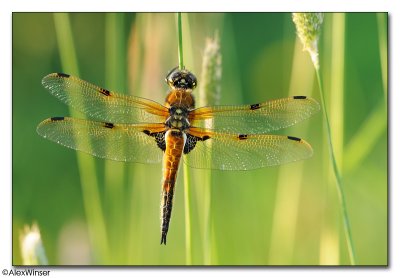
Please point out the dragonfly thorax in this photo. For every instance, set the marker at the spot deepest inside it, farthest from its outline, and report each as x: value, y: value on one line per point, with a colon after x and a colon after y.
x: 178, y: 118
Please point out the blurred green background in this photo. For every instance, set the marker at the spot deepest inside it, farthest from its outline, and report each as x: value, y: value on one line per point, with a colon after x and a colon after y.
x: 107, y: 213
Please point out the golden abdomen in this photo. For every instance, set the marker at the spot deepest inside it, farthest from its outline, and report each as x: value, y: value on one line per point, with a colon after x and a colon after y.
x: 175, y: 142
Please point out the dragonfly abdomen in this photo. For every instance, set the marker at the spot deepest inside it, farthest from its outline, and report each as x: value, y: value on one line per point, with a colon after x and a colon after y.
x: 175, y: 142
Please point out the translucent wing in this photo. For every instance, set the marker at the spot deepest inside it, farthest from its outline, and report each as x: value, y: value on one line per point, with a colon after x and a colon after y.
x: 120, y: 142
x: 256, y: 118
x: 227, y: 151
x: 102, y: 104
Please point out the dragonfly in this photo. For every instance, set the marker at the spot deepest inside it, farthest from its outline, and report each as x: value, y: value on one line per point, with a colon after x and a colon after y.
x: 134, y: 129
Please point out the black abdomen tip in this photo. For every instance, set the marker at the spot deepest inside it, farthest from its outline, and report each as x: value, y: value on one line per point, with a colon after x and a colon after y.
x: 299, y: 97
x: 255, y: 106
x: 105, y: 92
x: 163, y: 238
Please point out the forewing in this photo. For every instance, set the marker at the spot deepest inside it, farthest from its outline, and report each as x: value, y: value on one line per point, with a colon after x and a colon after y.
x: 102, y: 104
x: 226, y: 151
x: 255, y: 118
x: 119, y: 142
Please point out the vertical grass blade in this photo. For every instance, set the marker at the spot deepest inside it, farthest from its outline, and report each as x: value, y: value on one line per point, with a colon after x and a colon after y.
x: 336, y: 96
x: 366, y: 137
x: 308, y: 27
x: 382, y: 34
x: 334, y: 56
x: 337, y: 88
x: 361, y: 144
x: 339, y: 182
x: 186, y: 172
x: 115, y: 59
x: 290, y: 179
x: 86, y: 163
x: 180, y: 44
x: 209, y: 94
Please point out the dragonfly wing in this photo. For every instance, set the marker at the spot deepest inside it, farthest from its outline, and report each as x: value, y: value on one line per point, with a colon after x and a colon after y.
x: 102, y: 104
x: 228, y: 151
x: 256, y: 118
x: 119, y: 142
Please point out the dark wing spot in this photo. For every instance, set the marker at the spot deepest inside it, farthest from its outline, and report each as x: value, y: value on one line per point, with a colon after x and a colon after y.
x: 105, y: 92
x: 255, y: 106
x: 294, y: 138
x: 63, y: 75
x: 108, y: 125
x: 190, y: 143
x: 53, y: 119
x: 299, y: 97
x: 160, y: 140
x: 242, y: 136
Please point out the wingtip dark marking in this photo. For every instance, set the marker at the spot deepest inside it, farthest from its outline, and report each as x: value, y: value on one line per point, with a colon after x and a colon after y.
x: 109, y: 125
x: 242, y: 136
x: 54, y: 119
x: 255, y: 106
x: 205, y: 137
x: 299, y: 97
x: 105, y: 92
x: 294, y: 138
x: 60, y: 74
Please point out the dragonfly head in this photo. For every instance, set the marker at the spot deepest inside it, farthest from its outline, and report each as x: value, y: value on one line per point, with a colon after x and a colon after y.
x: 181, y: 79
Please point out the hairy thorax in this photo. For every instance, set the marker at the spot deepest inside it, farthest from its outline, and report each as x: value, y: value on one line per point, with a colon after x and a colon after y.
x: 180, y: 103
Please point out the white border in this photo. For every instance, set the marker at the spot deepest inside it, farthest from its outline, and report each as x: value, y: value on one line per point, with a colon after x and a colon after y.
x: 391, y: 6
x: 201, y: 6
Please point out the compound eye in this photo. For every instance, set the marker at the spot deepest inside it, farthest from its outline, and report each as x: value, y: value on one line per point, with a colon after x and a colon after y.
x: 192, y: 80
x: 171, y: 76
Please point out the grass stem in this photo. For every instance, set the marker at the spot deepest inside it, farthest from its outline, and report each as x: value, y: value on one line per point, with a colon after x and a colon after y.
x: 382, y: 35
x: 180, y: 44
x: 290, y: 181
x: 114, y: 172
x: 361, y: 144
x: 339, y: 182
x: 209, y: 94
x: 186, y: 172
x: 86, y: 163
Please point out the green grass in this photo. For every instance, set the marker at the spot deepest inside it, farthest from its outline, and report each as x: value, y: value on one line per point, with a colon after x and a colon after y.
x: 186, y: 171
x: 86, y: 163
x: 114, y: 172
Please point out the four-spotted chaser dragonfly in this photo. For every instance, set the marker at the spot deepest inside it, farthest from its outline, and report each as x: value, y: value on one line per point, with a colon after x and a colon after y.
x: 135, y: 129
